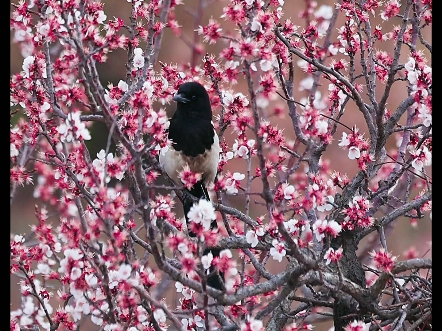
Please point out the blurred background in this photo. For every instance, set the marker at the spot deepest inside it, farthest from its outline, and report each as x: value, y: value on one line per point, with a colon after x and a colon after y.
x: 176, y: 50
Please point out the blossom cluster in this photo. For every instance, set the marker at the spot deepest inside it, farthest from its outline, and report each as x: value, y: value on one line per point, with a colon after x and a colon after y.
x: 280, y: 94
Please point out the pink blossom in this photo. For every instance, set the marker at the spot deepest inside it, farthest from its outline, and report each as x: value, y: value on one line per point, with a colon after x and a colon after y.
x: 211, y: 31
x: 188, y: 178
x: 321, y: 228
x: 231, y: 182
x: 357, y: 326
x: 383, y: 260
x: 333, y: 255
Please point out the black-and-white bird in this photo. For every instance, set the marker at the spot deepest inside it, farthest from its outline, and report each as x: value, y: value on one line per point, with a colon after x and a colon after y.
x: 195, y: 143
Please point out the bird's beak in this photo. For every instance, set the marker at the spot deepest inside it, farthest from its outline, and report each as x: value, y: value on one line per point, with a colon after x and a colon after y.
x: 180, y: 98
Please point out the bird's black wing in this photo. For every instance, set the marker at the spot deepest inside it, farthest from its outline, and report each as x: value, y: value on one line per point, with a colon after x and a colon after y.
x: 191, y: 138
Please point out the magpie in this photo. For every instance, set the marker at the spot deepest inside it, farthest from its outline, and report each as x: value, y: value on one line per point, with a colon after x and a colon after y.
x: 195, y: 143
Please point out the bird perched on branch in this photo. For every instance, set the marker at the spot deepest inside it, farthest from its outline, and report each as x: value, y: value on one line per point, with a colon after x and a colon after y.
x: 194, y: 144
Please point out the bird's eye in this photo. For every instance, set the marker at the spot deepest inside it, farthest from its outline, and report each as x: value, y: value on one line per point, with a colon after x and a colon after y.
x: 193, y: 97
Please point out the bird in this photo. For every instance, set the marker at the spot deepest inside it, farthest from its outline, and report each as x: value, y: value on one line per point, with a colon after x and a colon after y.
x: 195, y: 143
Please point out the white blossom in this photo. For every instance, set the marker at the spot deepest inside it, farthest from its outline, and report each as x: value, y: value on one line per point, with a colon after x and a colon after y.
x: 252, y: 238
x: 342, y: 96
x: 101, y: 17
x: 411, y: 64
x: 13, y: 150
x: 72, y: 311
x: 182, y: 247
x: 28, y: 306
x: 184, y: 290
x: 322, y: 126
x: 43, y: 321
x: 198, y: 321
x: 148, y: 87
x: 26, y: 320
x: 202, y: 212
x: 76, y: 293
x: 265, y: 65
x: 230, y: 184
x: 303, y: 64
x: 278, y: 250
x: 261, y: 101
x: 256, y: 325
x: 412, y: 77
x: 256, y: 25
x: 124, y: 271
x: 91, y: 279
x: 73, y: 253
x: 141, y: 314
x: 333, y: 49
x: 232, y: 64
x: 329, y: 253
x: 417, y: 164
x: 96, y: 317
x: 226, y: 252
x: 206, y: 260
x: 75, y: 273
x: 326, y: 206
x: 44, y: 29
x: 151, y: 119
x: 318, y: 229
x: 72, y: 128
x: 424, y: 158
x: 57, y: 247
x: 354, y: 153
x: 425, y: 115
x: 306, y: 83
x: 345, y: 141
x: 27, y: 62
x: 243, y: 151
x: 138, y: 60
x: 227, y: 98
x: 122, y: 85
x: 291, y: 225
x: 159, y: 315
x: 288, y: 192
x: 325, y: 12
x: 20, y: 35
x: 253, y: 325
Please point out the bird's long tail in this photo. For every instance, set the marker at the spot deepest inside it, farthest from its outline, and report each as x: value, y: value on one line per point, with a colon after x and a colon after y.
x: 199, y: 191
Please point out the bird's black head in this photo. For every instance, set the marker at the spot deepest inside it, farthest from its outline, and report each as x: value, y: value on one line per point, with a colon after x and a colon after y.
x: 193, y: 99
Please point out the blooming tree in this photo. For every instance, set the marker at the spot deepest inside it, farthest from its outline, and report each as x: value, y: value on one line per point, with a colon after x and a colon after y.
x: 117, y: 241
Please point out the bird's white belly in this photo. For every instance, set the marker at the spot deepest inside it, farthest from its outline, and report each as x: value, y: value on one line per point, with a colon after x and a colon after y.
x: 206, y: 164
